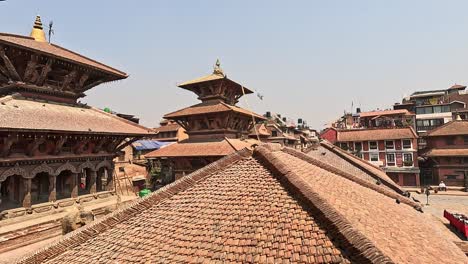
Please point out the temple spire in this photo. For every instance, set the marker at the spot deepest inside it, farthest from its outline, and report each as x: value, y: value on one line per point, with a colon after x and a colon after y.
x: 217, y: 68
x: 37, y: 32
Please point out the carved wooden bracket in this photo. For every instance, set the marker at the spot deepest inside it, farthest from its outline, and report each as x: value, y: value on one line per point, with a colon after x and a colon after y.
x: 7, y: 143
x: 99, y: 145
x: 82, y: 80
x: 59, y: 144
x: 80, y: 145
x: 32, y: 147
x: 30, y: 68
x: 68, y: 79
x: 45, y: 70
x: 10, y: 67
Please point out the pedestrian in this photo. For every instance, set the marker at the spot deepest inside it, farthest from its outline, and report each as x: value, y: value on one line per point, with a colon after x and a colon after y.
x: 442, y: 186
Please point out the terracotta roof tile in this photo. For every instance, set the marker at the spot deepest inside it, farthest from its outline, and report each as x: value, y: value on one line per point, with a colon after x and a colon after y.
x: 450, y: 129
x: 203, y: 108
x: 273, y: 206
x: 456, y: 152
x: 375, y: 134
x: 191, y: 149
x: 167, y: 128
x: 347, y: 162
x: 35, y: 115
x: 57, y: 51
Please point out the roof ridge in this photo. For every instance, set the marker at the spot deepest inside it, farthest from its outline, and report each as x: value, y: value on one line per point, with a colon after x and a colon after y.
x: 348, y: 157
x: 358, y: 246
x: 101, y: 225
x: 149, y: 130
x: 351, y: 177
x: 442, y: 126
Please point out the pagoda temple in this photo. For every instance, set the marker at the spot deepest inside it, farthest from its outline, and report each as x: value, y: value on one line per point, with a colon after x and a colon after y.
x: 54, y: 150
x: 216, y: 127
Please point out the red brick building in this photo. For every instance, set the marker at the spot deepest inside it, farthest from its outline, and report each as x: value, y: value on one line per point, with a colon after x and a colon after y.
x: 447, y: 153
x: 392, y: 149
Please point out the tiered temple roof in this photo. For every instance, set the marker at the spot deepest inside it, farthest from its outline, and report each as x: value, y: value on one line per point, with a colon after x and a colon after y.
x: 273, y: 205
x: 215, y: 126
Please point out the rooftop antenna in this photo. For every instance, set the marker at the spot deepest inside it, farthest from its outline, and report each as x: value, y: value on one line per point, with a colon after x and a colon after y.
x: 51, y: 31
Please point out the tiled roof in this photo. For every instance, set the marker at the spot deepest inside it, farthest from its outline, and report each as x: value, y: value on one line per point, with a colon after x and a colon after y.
x: 25, y: 114
x: 199, y: 149
x: 462, y: 152
x: 457, y: 127
x: 385, y: 112
x: 345, y: 161
x: 375, y: 134
x: 457, y: 86
x: 167, y: 128
x: 203, y: 108
x: 261, y: 130
x: 275, y: 206
x: 212, y: 77
x: 57, y: 51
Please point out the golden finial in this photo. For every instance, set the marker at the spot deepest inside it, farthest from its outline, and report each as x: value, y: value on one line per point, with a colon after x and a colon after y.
x: 217, y: 68
x: 37, y: 33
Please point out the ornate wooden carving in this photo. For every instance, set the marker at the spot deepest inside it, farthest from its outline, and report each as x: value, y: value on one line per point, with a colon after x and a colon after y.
x: 68, y: 79
x: 64, y: 167
x: 86, y: 165
x: 10, y: 67
x: 33, y: 145
x: 104, y: 164
x: 45, y: 70
x: 91, y: 85
x: 7, y: 143
x: 4, y: 72
x: 59, y: 144
x: 30, y: 68
x: 44, y: 167
x: 82, y: 80
x: 99, y: 145
x: 80, y: 145
x: 15, y: 170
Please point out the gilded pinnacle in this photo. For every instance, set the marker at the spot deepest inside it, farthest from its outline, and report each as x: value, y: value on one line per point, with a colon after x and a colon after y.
x: 37, y: 31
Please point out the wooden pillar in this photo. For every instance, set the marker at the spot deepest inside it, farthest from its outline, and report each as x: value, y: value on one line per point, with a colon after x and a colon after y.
x: 0, y: 193
x: 74, y: 185
x: 52, y: 188
x: 27, y: 193
x: 92, y: 184
x: 110, y: 179
x: 400, y: 179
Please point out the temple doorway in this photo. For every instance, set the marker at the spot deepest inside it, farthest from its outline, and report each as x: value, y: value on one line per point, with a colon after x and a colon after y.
x: 84, y: 182
x: 40, y: 188
x: 102, y: 179
x: 11, y: 192
x: 64, y: 184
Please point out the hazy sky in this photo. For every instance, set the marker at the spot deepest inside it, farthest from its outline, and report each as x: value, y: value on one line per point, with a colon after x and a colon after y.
x: 309, y: 59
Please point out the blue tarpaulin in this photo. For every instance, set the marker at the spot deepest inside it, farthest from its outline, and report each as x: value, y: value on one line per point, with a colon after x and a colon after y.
x: 149, y: 144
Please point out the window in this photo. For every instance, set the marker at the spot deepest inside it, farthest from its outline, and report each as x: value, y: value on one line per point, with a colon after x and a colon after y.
x: 391, y: 159
x: 406, y: 143
x: 344, y: 145
x: 465, y: 160
x: 465, y: 140
x: 372, y: 145
x: 419, y: 110
x: 374, y: 157
x: 357, y: 146
x: 449, y: 141
x: 445, y: 108
x: 451, y: 177
x: 408, y: 159
x: 389, y: 144
x: 274, y: 133
x: 437, y: 109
